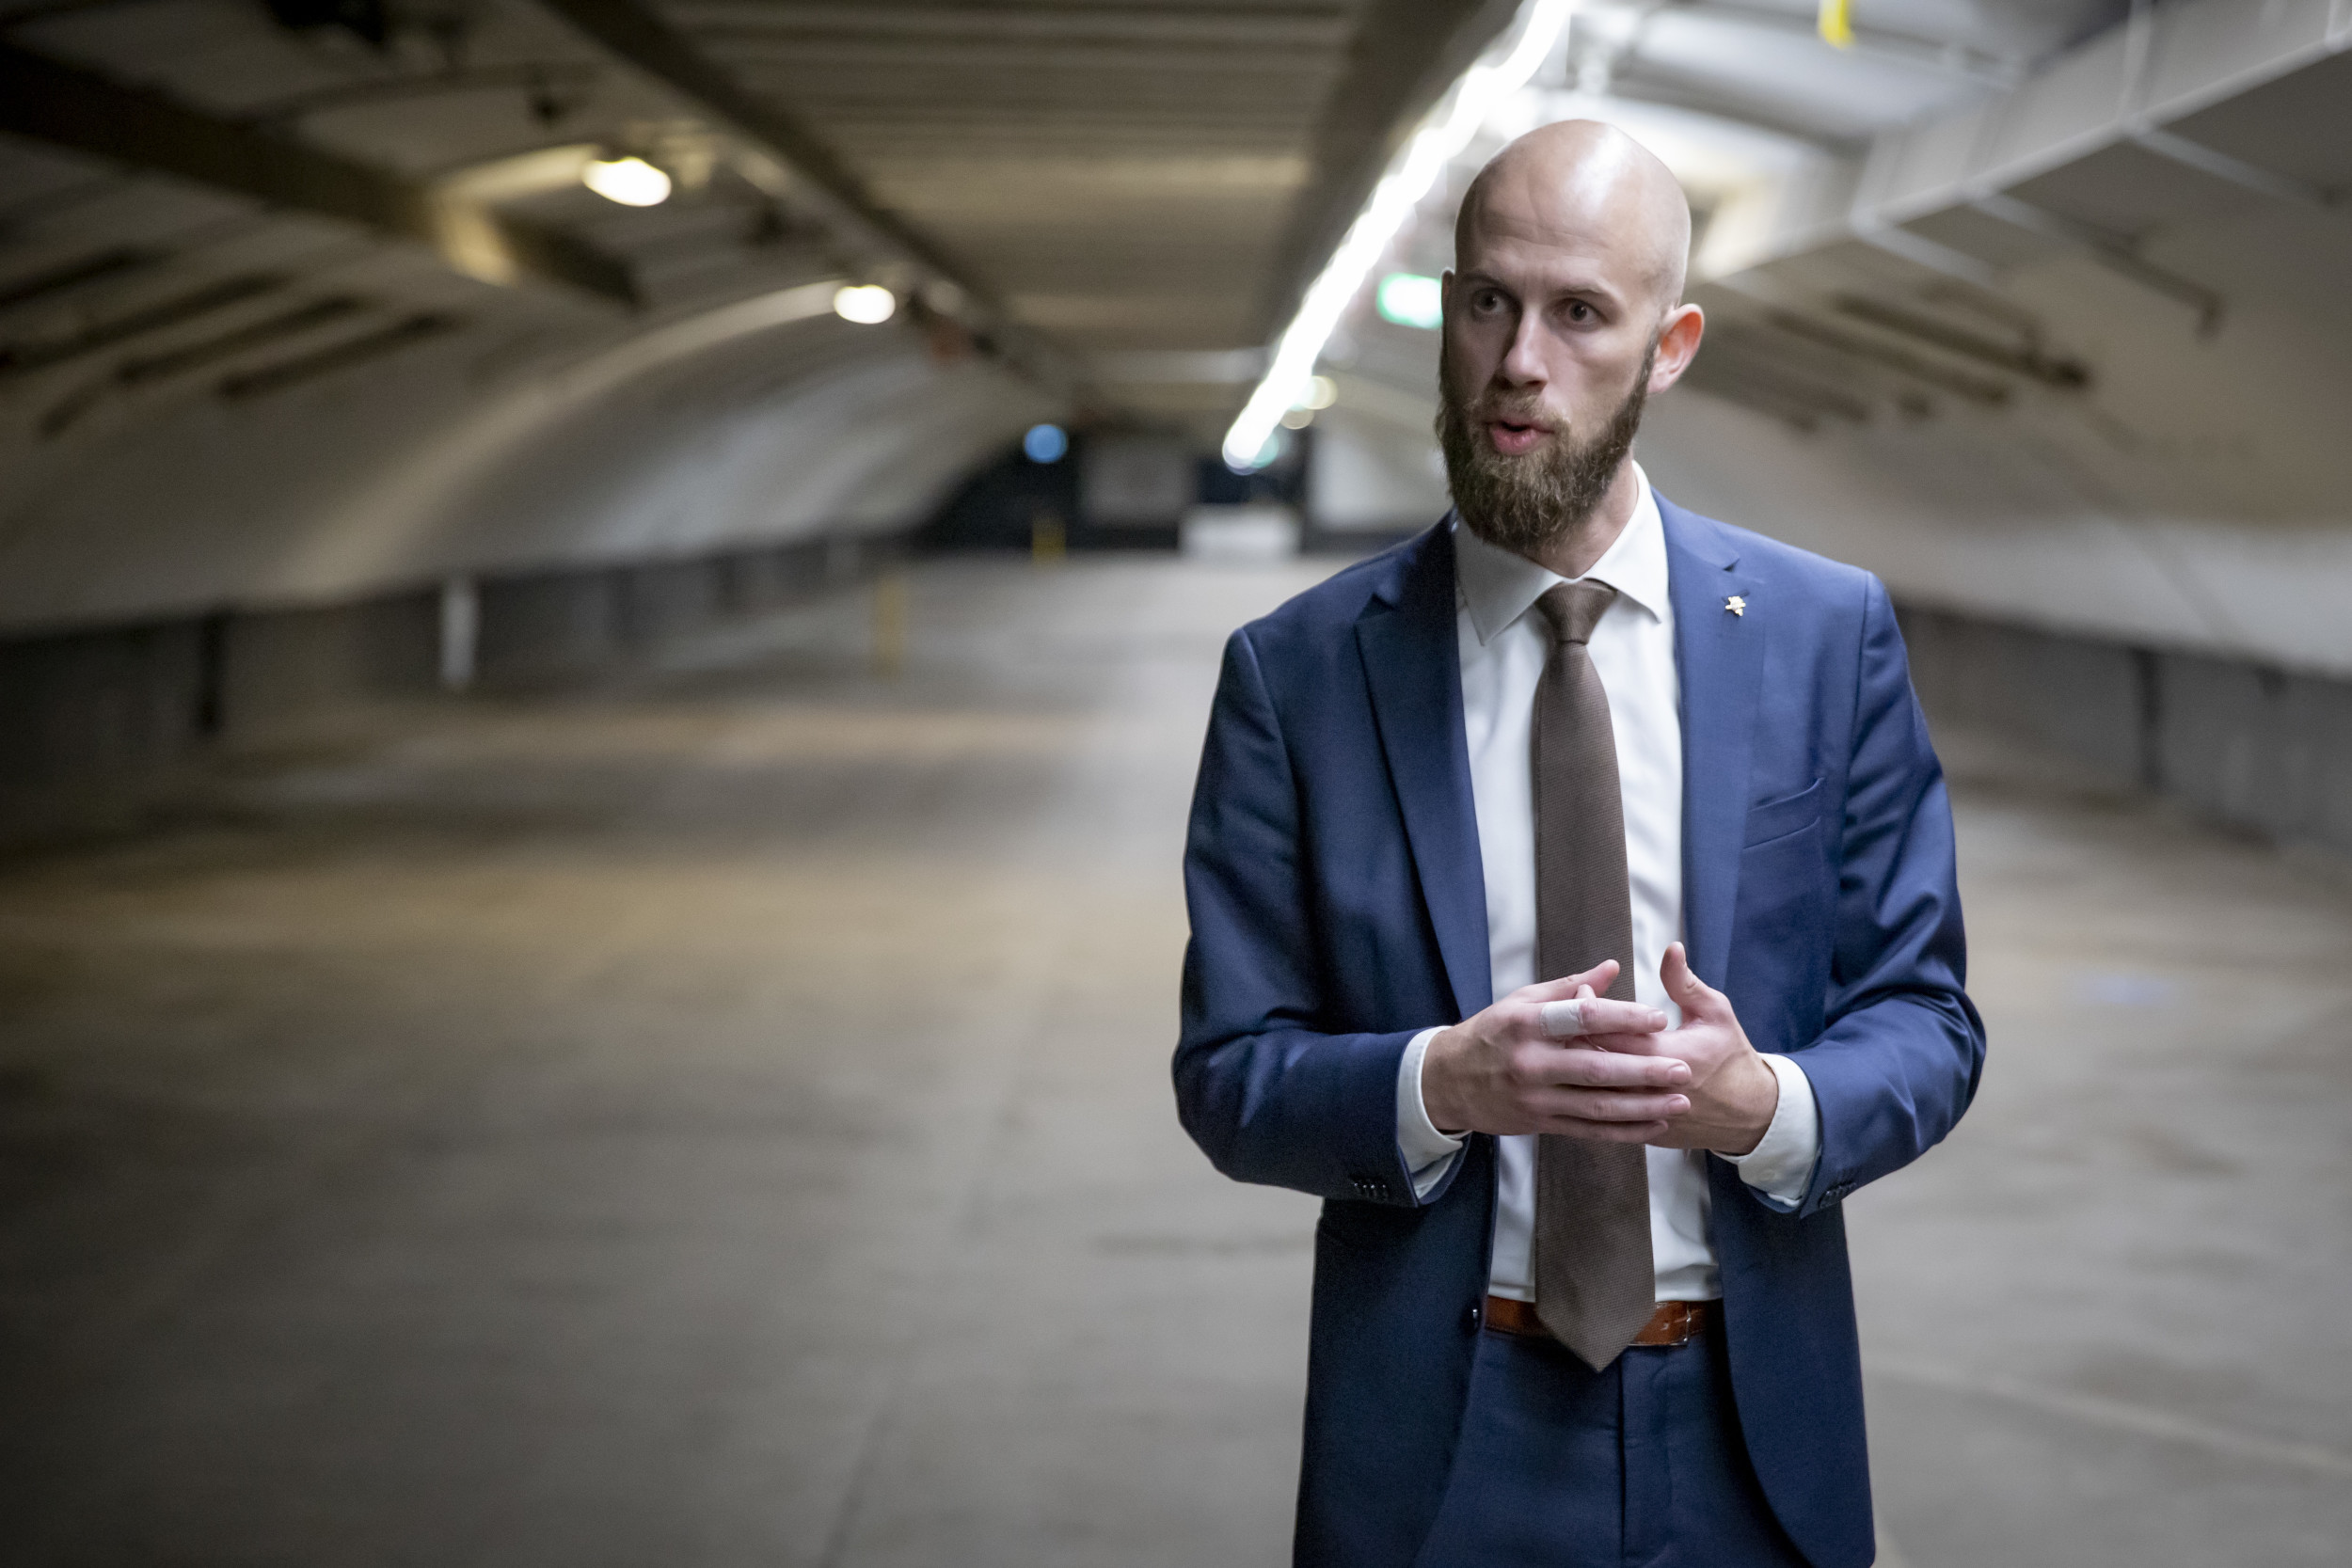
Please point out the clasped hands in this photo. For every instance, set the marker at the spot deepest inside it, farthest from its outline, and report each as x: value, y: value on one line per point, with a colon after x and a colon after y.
x: 1620, y: 1074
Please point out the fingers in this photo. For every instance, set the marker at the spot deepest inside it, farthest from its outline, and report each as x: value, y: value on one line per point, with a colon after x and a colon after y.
x: 1585, y: 1068
x: 1695, y: 996
x: 1598, y: 1014
x: 1562, y: 1018
x: 1608, y: 1107
x: 1674, y: 1045
x: 1599, y: 977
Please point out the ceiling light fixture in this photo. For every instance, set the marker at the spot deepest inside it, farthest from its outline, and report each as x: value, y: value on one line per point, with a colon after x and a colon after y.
x: 1249, y: 444
x: 630, y: 181
x: 867, y: 303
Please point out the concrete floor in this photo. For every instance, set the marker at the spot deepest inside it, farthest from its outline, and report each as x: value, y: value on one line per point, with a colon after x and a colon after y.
x: 722, y: 1119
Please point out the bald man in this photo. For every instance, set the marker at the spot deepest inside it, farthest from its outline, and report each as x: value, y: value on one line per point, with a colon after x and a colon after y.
x: 1573, y: 912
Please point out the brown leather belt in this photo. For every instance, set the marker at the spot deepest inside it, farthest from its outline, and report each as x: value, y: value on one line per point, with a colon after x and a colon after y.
x: 1674, y: 1322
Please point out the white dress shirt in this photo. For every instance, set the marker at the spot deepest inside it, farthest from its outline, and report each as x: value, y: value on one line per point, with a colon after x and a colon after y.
x: 1504, y: 645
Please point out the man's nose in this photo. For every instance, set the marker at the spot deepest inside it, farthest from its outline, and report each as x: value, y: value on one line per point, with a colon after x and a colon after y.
x: 1523, y: 361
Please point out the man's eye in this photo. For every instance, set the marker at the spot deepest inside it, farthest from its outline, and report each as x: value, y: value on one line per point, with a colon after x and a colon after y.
x: 1578, y: 312
x: 1487, y: 299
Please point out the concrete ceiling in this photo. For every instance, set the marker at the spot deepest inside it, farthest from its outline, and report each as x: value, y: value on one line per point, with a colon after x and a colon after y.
x: 2073, y: 353
x: 267, y: 236
x: 2066, y: 345
x: 1054, y: 181
x: 258, y: 255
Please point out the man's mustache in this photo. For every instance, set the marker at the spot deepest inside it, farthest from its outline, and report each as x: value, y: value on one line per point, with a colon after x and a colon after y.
x: 1518, y: 411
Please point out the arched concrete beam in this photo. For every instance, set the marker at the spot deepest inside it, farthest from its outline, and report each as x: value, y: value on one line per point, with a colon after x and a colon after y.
x: 423, y: 468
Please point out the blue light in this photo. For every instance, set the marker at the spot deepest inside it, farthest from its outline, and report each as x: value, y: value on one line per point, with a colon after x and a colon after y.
x: 1045, y: 443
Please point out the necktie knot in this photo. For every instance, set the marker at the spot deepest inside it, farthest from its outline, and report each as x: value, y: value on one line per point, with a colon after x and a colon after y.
x: 1574, y: 609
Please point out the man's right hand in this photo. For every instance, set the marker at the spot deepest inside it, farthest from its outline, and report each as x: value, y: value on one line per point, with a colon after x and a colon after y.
x: 1503, y: 1072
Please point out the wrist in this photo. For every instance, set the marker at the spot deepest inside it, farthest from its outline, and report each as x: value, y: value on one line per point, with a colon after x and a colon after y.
x: 1754, y: 1101
x: 1437, y: 1099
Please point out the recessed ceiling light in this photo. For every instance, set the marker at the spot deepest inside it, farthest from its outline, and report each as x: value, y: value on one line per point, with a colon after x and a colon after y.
x: 630, y: 181
x: 867, y: 303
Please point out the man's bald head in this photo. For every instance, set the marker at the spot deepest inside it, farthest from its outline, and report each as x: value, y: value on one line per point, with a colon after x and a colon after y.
x: 1563, y: 315
x: 1583, y: 185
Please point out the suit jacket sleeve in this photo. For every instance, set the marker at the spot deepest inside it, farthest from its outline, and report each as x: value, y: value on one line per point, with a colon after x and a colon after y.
x: 1264, y: 1086
x: 1901, y: 1056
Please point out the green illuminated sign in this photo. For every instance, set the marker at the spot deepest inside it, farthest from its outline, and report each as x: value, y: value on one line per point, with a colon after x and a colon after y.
x: 1409, y: 299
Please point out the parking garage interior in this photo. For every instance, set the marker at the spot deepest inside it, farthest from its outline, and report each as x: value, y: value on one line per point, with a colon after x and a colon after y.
x: 606, y: 614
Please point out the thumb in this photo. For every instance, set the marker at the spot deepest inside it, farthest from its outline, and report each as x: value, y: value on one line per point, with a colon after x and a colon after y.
x: 1695, y: 996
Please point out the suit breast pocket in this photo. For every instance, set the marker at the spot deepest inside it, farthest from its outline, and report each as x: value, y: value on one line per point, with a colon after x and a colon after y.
x: 1778, y: 818
x: 1785, y: 927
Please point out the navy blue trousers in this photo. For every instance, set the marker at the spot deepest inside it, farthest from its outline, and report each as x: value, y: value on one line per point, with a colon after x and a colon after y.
x: 1638, y: 1466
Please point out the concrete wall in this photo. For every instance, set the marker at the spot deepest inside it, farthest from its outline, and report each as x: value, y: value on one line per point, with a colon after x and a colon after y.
x: 2245, y: 744
x: 92, y: 723
x: 2085, y: 698
x: 279, y: 670
x: 546, y: 625
x: 91, y: 719
x: 2265, y: 749
x: 1371, y: 474
x: 102, y: 704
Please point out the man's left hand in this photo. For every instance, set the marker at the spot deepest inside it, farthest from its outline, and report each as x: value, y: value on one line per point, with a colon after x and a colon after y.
x: 1733, y: 1091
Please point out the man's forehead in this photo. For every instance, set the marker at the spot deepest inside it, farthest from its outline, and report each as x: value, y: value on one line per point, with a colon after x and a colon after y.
x: 1543, y: 219
x: 1540, y: 243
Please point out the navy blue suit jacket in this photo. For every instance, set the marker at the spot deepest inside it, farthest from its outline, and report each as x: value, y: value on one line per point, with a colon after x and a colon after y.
x: 1338, y: 908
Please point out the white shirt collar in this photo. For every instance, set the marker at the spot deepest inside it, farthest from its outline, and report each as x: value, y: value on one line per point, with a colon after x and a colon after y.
x: 1498, y: 586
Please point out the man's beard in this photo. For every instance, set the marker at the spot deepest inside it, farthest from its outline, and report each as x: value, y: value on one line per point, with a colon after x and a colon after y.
x: 1524, y: 504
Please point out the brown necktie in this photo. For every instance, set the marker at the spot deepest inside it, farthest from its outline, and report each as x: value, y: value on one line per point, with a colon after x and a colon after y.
x: 1594, y: 1281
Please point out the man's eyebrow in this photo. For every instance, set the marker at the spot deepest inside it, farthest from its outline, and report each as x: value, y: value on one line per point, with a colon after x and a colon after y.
x: 1591, y: 288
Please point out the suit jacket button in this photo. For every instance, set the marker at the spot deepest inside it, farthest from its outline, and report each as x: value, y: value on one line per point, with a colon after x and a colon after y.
x: 1476, y: 1313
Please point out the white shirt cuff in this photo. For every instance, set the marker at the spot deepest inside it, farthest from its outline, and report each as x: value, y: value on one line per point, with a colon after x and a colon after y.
x: 1426, y: 1150
x: 1781, y: 1164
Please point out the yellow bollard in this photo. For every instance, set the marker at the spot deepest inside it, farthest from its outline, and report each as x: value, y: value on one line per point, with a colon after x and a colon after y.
x: 1049, y: 541
x: 890, y: 624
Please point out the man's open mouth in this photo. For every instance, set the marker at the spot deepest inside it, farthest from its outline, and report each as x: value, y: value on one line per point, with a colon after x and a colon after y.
x: 1512, y: 437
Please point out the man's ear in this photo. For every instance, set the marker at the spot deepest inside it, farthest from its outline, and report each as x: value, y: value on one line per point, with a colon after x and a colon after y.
x: 1445, y: 291
x: 1678, y: 345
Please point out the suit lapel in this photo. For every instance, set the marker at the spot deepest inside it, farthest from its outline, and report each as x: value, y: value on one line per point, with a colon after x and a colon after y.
x: 1719, y: 658
x: 1412, y: 667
